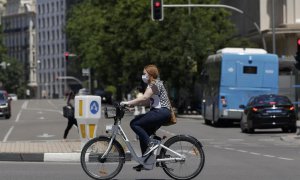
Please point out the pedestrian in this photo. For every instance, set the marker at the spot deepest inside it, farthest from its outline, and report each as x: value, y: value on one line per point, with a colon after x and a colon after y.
x: 71, y: 119
x: 145, y: 125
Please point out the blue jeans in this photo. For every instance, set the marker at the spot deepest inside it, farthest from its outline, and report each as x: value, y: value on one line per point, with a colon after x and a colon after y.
x: 147, y: 124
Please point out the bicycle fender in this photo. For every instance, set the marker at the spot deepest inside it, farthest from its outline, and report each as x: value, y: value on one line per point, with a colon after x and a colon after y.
x: 188, y: 136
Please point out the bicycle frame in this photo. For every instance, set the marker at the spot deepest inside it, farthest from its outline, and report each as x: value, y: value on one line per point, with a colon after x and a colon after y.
x: 117, y: 130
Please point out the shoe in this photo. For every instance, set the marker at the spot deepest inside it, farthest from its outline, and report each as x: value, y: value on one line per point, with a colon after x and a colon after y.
x: 138, y: 167
x: 151, y: 146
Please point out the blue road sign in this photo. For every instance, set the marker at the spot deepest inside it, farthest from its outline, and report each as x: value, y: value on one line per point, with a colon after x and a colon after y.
x: 94, y: 107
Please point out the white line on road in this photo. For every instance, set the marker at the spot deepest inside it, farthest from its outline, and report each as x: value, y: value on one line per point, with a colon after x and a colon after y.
x: 289, y: 159
x: 254, y: 153
x: 168, y: 132
x: 51, y: 103
x: 267, y: 155
x: 7, y: 134
x: 18, y: 116
x: 243, y: 151
x: 24, y: 106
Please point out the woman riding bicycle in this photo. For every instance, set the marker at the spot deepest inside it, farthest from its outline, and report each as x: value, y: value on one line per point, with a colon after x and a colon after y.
x: 147, y: 124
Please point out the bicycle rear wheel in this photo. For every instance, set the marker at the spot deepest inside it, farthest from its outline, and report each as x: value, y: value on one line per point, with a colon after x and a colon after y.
x: 102, y: 168
x: 194, y: 160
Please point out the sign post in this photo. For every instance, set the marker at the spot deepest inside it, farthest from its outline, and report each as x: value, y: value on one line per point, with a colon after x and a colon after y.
x: 87, y: 113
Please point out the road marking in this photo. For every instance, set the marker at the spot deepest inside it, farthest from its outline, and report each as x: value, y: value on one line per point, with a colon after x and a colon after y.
x: 7, y: 134
x: 51, y: 103
x: 45, y: 135
x: 254, y: 153
x: 39, y: 109
x: 24, y: 106
x: 18, y: 116
x: 235, y: 139
x: 243, y: 151
x: 289, y: 159
x: 168, y: 132
x: 267, y: 155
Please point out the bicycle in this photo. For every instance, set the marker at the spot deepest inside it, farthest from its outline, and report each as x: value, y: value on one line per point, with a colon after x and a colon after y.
x: 181, y: 156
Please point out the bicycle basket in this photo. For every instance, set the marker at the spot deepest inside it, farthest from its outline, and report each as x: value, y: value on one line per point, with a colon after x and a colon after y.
x: 110, y: 112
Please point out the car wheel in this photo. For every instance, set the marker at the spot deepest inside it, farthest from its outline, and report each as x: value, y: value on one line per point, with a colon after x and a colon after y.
x: 7, y: 116
x: 206, y: 121
x: 251, y: 130
x: 293, y: 129
x: 285, y: 129
x: 243, y: 129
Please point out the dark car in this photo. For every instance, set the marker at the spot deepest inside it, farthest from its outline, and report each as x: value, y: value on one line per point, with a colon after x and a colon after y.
x: 269, y: 111
x: 106, y: 97
x: 5, y: 109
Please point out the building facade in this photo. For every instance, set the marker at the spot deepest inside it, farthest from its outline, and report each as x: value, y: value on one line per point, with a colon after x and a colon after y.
x: 2, y: 8
x: 19, y: 37
x: 286, y: 18
x: 51, y: 45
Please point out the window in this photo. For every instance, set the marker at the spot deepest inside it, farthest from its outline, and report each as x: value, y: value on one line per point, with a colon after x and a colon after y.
x: 250, y: 70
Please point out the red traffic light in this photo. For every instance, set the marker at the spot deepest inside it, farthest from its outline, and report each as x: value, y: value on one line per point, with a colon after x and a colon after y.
x: 298, y: 42
x: 157, y: 10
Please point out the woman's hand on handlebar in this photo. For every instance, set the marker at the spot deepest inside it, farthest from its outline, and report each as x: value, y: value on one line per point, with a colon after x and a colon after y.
x: 127, y: 106
x: 124, y: 103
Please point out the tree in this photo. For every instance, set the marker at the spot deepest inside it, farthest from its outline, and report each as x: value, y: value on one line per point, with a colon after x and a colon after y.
x: 11, y: 77
x: 118, y: 38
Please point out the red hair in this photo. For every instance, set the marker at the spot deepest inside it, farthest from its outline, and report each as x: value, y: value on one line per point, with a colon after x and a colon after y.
x: 152, y: 70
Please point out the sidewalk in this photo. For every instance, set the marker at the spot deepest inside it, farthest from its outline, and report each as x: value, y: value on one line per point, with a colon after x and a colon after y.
x: 42, y: 151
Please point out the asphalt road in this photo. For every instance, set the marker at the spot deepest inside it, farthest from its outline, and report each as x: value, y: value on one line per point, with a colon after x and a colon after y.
x: 230, y: 154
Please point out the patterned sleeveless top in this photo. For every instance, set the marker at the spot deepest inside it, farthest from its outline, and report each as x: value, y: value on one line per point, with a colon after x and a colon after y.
x: 160, y: 99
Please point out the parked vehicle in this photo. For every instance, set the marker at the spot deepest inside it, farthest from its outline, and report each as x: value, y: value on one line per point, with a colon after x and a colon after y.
x: 231, y: 77
x: 269, y: 111
x: 106, y: 97
x: 5, y: 107
x: 13, y: 97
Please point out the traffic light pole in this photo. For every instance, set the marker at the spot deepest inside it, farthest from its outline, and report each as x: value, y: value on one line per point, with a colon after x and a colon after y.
x: 220, y: 6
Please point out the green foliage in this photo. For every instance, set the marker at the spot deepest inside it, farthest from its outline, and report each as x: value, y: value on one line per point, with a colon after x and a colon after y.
x: 12, y: 77
x: 118, y: 38
x: 111, y: 89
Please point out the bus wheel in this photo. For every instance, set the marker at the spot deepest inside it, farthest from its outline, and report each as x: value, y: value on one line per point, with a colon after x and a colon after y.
x: 215, y: 123
x: 206, y: 121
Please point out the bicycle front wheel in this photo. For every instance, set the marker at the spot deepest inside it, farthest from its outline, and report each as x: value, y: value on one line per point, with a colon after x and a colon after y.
x: 191, y: 165
x: 95, y: 165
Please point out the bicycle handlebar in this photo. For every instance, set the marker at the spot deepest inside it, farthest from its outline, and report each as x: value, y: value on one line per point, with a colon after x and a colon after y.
x: 119, y: 111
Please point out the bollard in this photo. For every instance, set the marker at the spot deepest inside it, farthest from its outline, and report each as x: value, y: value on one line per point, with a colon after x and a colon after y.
x: 136, y: 111
x: 87, y: 113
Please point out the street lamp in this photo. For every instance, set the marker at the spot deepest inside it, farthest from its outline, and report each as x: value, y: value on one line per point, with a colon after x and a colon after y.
x: 4, y: 64
x: 222, y: 6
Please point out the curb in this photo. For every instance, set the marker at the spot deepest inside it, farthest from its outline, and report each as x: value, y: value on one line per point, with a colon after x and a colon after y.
x: 198, y: 117
x: 46, y: 157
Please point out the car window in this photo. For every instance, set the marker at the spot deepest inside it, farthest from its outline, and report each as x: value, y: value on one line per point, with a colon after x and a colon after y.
x: 271, y: 100
x: 2, y: 97
x: 250, y: 102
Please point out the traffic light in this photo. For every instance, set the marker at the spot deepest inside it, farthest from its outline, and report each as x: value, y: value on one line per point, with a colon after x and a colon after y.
x: 66, y: 56
x: 298, y: 45
x: 297, y: 56
x: 157, y: 10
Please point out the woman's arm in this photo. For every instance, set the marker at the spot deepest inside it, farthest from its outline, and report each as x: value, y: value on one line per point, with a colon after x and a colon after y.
x: 142, y: 100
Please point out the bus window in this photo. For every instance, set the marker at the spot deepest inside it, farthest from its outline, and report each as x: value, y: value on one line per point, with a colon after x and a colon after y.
x: 250, y: 70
